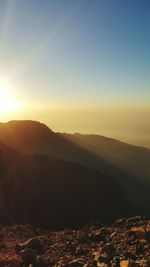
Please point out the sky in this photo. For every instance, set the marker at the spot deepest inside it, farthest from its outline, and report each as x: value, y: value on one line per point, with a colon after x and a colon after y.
x: 78, y: 65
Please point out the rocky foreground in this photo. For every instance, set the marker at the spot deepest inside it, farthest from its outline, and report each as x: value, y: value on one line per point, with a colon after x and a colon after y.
x: 125, y: 243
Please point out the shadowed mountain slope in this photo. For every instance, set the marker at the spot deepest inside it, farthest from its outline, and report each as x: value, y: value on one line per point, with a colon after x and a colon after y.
x: 53, y: 193
x: 128, y: 164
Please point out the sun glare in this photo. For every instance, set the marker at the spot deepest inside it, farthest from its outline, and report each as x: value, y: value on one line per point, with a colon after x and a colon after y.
x: 7, y: 101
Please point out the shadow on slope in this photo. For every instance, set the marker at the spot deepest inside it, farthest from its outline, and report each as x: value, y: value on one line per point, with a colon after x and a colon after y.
x: 53, y: 193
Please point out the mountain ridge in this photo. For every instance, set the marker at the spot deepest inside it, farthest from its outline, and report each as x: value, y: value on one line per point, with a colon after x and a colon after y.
x: 52, y: 193
x: 129, y: 165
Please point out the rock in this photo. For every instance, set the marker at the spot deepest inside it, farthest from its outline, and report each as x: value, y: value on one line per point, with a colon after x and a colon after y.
x: 80, y: 251
x: 76, y: 263
x: 94, y: 224
x: 104, y: 258
x: 119, y: 223
x: 124, y: 263
x: 144, y: 263
x: 134, y: 220
x: 120, y: 247
x: 139, y: 247
x: 34, y: 243
x: 132, y: 235
x: 108, y: 248
x: 96, y: 255
x: 18, y: 228
x: 28, y: 255
x: 40, y: 262
x: 60, y: 264
x: 128, y: 263
x: 101, y: 264
x: 82, y: 235
x: 147, y: 235
x: 139, y: 232
x: 116, y: 260
x: 129, y: 255
x: 98, y: 235
x: 18, y: 247
x: 87, y: 265
x: 113, y: 235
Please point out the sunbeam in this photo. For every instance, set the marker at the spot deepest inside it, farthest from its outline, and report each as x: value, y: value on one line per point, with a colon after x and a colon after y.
x: 8, y: 103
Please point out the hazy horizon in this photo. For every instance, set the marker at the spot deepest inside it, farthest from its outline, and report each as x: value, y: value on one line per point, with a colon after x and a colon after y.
x: 107, y: 122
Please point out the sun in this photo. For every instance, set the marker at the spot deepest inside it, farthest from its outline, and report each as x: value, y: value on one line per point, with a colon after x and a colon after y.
x: 8, y: 103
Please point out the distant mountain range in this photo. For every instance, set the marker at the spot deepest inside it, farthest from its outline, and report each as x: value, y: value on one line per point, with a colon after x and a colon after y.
x: 127, y: 165
x: 53, y: 193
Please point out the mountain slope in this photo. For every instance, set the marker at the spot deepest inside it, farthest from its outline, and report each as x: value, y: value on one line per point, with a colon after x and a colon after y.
x: 54, y: 193
x: 128, y: 164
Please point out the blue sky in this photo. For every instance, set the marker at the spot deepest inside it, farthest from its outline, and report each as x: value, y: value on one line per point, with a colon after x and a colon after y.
x: 80, y: 50
x: 80, y: 54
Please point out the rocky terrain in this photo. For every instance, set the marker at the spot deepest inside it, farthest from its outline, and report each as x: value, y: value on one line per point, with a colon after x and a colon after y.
x: 125, y: 243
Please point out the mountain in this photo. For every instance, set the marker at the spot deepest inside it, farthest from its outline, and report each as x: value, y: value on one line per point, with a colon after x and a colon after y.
x: 129, y: 165
x: 53, y: 193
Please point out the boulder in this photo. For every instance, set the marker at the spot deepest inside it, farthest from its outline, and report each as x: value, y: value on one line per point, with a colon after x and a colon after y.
x: 119, y: 222
x: 102, y: 264
x: 139, y: 232
x: 125, y: 263
x: 82, y: 235
x: 128, y: 263
x: 104, y: 258
x: 108, y: 248
x: 134, y: 220
x: 40, y: 262
x: 34, y: 243
x: 98, y: 234
x: 76, y: 263
x: 29, y: 256
x: 96, y: 255
x: 144, y: 263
